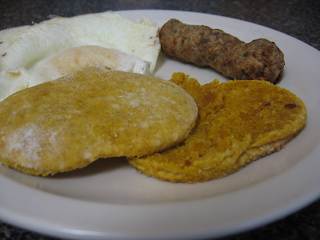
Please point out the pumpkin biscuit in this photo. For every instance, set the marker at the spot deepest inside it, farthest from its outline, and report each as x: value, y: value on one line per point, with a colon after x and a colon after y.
x: 92, y: 113
x: 239, y: 121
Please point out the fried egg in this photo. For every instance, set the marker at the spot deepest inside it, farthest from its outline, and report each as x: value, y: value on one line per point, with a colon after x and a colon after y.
x: 25, y: 49
x: 85, y: 56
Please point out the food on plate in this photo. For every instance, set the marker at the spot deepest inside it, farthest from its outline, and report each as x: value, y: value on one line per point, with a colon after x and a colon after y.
x: 239, y: 121
x: 204, y: 46
x: 85, y: 56
x: 23, y: 49
x: 92, y: 113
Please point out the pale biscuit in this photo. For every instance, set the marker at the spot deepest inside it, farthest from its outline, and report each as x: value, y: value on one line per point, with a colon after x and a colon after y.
x: 239, y: 121
x: 89, y: 114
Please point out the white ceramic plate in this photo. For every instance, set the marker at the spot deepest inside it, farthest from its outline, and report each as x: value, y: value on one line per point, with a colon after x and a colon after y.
x: 109, y: 200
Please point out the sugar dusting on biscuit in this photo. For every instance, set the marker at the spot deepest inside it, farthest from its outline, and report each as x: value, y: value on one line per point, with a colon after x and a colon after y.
x: 27, y: 140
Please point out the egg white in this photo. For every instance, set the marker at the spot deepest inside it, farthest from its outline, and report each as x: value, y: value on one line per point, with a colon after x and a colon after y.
x: 24, y: 49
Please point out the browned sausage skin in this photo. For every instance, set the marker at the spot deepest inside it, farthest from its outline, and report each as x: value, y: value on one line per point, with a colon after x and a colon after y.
x: 204, y: 46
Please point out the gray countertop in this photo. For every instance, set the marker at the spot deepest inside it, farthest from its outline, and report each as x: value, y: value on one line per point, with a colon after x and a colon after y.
x: 299, y: 19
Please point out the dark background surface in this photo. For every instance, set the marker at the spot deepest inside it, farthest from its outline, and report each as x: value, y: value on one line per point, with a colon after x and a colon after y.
x: 299, y: 19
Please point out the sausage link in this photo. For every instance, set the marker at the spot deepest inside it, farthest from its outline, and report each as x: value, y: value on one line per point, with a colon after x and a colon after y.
x: 204, y: 46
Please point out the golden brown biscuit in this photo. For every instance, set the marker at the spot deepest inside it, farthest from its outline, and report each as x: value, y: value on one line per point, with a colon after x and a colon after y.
x: 239, y: 121
x: 89, y: 114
